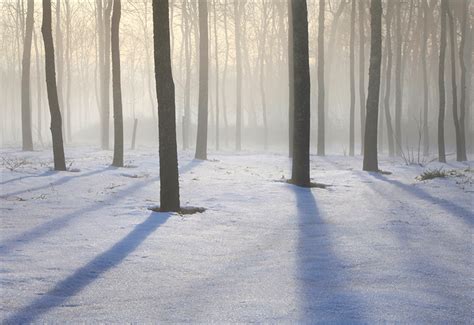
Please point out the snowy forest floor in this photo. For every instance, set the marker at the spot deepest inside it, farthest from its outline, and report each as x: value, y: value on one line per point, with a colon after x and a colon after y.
x: 82, y: 245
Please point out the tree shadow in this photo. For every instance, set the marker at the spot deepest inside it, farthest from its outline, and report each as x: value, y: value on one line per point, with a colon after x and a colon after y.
x: 84, y: 276
x: 46, y: 173
x: 466, y: 215
x: 61, y: 181
x: 8, y: 245
x: 324, y: 285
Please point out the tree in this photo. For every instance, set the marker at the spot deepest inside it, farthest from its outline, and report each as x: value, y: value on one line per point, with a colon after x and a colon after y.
x: 388, y: 117
x: 291, y: 81
x: 362, y: 71
x: 442, y: 98
x: 302, y: 87
x: 321, y: 140
x: 238, y: 67
x: 462, y: 155
x: 201, y: 141
x: 370, y: 146
x: 426, y: 139
x: 169, y: 179
x: 27, y: 136
x: 116, y: 85
x: 59, y: 62
x: 352, y: 82
x: 216, y: 49
x: 50, y: 71
x: 398, y: 78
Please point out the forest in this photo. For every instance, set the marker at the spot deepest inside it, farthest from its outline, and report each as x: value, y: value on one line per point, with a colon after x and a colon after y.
x: 236, y: 161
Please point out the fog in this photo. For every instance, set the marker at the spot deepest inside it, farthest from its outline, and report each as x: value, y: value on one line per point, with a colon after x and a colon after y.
x: 263, y: 27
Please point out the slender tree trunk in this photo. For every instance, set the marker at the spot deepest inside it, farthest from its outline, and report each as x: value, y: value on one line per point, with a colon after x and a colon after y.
x: 426, y: 138
x: 27, y: 137
x: 224, y: 76
x: 442, y: 98
x: 201, y: 141
x: 302, y: 88
x: 398, y: 79
x: 370, y: 146
x: 67, y: 108
x: 50, y: 71
x: 291, y: 81
x: 238, y: 67
x: 169, y: 178
x: 187, y: 83
x: 388, y: 83
x: 453, y: 43
x: 352, y: 81
x: 362, y: 100
x: 216, y: 46
x: 462, y: 156
x: 39, y: 91
x: 116, y: 85
x: 321, y: 131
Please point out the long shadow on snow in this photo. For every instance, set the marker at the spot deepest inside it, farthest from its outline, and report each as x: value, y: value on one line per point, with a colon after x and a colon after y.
x: 8, y: 245
x: 46, y: 173
x: 324, y: 285
x: 88, y: 273
x: 465, y: 214
x: 60, y: 181
x: 430, y: 273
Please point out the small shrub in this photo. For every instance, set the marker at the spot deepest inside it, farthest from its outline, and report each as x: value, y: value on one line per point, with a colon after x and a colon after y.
x: 433, y: 173
x: 13, y: 164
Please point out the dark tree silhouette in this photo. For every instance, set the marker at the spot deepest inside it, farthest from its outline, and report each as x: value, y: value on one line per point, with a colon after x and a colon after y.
x: 50, y: 70
x: 116, y: 85
x: 301, y: 137
x: 169, y: 179
x: 27, y: 136
x: 321, y: 132
x: 201, y: 140
x: 370, y: 145
x: 442, y: 95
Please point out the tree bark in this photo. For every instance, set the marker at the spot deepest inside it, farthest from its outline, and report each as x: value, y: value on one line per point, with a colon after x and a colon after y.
x: 321, y: 150
x: 116, y: 85
x: 302, y: 88
x: 169, y: 179
x: 27, y: 136
x: 442, y: 98
x: 370, y: 146
x: 50, y: 71
x: 201, y: 140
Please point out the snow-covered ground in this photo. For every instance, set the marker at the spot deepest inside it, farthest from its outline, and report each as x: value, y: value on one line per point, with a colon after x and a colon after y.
x: 83, y: 247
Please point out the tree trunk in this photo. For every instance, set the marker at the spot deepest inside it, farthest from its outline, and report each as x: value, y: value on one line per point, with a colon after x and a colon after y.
x: 238, y: 67
x: 352, y: 81
x: 362, y: 100
x: 462, y: 156
x: 216, y: 49
x: 398, y: 79
x: 67, y: 108
x: 224, y: 76
x: 169, y: 182
x: 116, y: 85
x: 39, y: 92
x: 50, y: 71
x: 370, y: 146
x: 59, y: 62
x: 442, y: 99
x: 388, y: 83
x: 27, y: 137
x: 201, y: 140
x: 426, y: 138
x: 262, y: 53
x: 321, y: 132
x: 302, y: 89
x: 291, y: 81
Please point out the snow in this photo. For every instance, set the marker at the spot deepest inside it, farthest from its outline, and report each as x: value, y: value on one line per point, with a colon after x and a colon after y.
x: 83, y: 247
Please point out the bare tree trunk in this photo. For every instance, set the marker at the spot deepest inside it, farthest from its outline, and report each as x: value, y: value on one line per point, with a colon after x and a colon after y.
x: 398, y: 79
x: 388, y: 83
x: 442, y: 99
x: 169, y: 182
x: 426, y: 138
x: 216, y: 46
x: 462, y: 156
x: 187, y: 84
x: 116, y: 85
x: 302, y: 87
x: 291, y: 81
x: 50, y: 71
x: 238, y: 66
x: 321, y: 131
x: 39, y: 92
x: 27, y: 137
x: 362, y: 100
x: 352, y: 81
x: 201, y: 141
x: 370, y: 146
